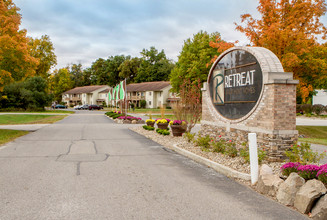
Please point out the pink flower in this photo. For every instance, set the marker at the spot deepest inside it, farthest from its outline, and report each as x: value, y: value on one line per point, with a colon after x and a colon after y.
x: 220, y: 136
x: 230, y: 140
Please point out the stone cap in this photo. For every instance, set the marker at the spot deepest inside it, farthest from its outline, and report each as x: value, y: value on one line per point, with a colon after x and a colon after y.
x: 281, y: 78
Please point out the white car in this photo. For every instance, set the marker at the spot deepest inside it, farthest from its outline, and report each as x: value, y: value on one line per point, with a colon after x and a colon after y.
x: 77, y: 107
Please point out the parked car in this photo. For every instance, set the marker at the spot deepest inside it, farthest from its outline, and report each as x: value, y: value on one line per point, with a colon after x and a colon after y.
x: 60, y: 106
x: 84, y: 107
x: 77, y: 107
x: 92, y: 107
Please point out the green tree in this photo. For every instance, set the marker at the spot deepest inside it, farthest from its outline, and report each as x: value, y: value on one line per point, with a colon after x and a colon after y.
x: 154, y: 66
x: 76, y: 74
x: 193, y: 59
x: 114, y: 63
x: 15, y: 61
x: 88, y: 78
x: 60, y: 82
x: 129, y: 68
x: 43, y: 50
x: 99, y: 71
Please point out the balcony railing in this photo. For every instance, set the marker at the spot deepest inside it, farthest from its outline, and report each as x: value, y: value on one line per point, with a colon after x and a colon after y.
x: 135, y: 97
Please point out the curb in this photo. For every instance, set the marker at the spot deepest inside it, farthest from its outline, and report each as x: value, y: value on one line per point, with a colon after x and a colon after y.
x: 216, y: 166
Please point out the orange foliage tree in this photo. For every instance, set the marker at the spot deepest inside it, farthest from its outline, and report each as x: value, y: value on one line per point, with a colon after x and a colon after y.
x: 221, y: 46
x: 290, y: 29
x: 15, y: 61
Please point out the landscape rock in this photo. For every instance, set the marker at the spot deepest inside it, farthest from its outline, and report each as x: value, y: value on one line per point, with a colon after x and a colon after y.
x: 319, y: 211
x: 268, y: 183
x: 288, y: 189
x: 307, y: 195
x: 265, y: 170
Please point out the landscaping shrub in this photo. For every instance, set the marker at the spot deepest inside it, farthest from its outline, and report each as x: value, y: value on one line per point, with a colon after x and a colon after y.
x: 303, y: 154
x: 162, y: 131
x: 189, y: 137
x: 308, y: 172
x: 29, y: 94
x: 231, y: 150
x: 317, y: 109
x: 299, y: 109
x: 307, y: 108
x: 244, y: 153
x: 289, y: 168
x: 149, y: 128
x: 203, y: 142
x: 261, y: 155
x: 143, y: 103
x: 219, y: 146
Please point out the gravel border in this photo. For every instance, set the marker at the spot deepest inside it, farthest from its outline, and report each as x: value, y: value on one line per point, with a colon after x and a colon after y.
x: 231, y: 167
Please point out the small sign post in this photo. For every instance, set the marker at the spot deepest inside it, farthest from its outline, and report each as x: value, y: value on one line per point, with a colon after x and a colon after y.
x: 253, y: 157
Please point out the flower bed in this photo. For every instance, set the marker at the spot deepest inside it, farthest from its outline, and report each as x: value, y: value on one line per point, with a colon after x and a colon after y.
x: 307, y: 172
x: 118, y: 117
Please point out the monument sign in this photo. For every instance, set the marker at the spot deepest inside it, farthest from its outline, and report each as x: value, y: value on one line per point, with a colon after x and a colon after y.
x: 248, y: 91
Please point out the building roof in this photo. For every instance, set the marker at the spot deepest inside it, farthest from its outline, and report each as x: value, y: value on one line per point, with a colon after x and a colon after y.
x: 147, y: 86
x: 84, y: 89
x: 105, y: 91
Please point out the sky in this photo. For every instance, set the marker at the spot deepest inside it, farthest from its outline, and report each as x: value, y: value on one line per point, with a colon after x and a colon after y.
x: 85, y: 30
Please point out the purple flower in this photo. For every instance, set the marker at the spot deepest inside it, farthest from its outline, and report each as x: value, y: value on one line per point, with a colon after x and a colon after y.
x: 290, y: 165
x: 289, y: 168
x: 308, y: 168
x: 308, y: 171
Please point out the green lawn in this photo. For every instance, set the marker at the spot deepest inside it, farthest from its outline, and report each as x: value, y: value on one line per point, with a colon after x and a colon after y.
x: 171, y: 117
x: 10, y: 135
x: 11, y: 119
x: 313, y: 134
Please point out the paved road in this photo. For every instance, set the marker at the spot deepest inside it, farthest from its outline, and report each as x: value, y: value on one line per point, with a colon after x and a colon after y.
x: 87, y: 167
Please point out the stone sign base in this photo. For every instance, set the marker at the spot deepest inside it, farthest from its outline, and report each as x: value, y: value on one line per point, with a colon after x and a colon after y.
x: 273, y: 144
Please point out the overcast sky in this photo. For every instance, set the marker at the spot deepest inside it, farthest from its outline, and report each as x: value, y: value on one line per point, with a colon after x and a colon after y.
x: 85, y: 30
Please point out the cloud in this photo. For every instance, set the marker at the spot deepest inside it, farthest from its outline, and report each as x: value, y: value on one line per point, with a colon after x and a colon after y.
x: 85, y: 30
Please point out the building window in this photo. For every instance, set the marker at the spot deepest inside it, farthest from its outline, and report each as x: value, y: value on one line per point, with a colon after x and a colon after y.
x: 150, y: 93
x: 149, y: 102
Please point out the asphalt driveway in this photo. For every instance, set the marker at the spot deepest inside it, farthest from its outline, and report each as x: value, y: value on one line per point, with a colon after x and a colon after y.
x: 87, y: 167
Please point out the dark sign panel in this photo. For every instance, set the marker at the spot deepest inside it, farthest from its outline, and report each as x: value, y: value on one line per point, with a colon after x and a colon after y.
x: 235, y: 84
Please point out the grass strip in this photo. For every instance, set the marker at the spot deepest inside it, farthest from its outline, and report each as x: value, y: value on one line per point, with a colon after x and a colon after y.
x: 10, y: 135
x: 11, y: 119
x: 313, y: 134
x: 43, y: 112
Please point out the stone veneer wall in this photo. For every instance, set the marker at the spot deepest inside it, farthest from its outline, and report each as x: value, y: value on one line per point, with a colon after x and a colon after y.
x: 273, y: 121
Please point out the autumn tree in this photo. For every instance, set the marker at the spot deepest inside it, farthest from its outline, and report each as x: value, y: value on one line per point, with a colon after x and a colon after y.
x: 290, y: 29
x: 16, y: 63
x: 43, y: 50
x: 154, y: 66
x: 193, y: 59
